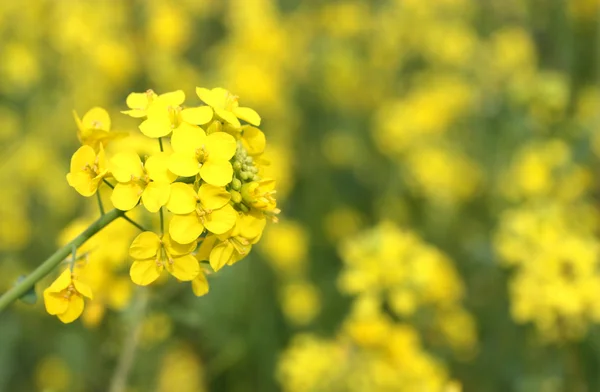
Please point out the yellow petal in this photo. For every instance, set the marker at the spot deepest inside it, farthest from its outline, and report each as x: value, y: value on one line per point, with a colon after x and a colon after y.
x: 158, y: 126
x: 213, y: 197
x: 200, y: 285
x: 145, y: 246
x: 254, y: 140
x: 184, y: 268
x: 174, y: 98
x: 135, y: 113
x: 144, y: 272
x: 221, y: 145
x: 248, y: 115
x: 184, y: 165
x: 221, y: 255
x: 187, y: 139
x: 228, y: 116
x: 217, y: 172
x: 182, y: 199
x: 96, y: 118
x: 55, y: 303
x: 125, y: 196
x: 177, y: 248
x: 101, y: 159
x: 126, y: 164
x: 215, y: 97
x: 206, y: 246
x: 82, y: 288
x: 137, y: 101
x: 155, y: 195
x: 185, y: 228
x: 199, y: 116
x: 222, y: 220
x: 82, y: 183
x: 251, y: 227
x: 61, y: 283
x: 85, y: 155
x: 157, y: 167
x: 73, y: 311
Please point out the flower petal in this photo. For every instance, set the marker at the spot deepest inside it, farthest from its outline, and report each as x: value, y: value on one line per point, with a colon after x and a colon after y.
x: 217, y: 172
x: 206, y: 246
x: 174, y: 98
x: 177, y: 248
x: 183, y: 199
x: 248, y: 115
x: 126, y: 164
x: 199, y: 116
x: 125, y: 196
x: 184, y: 268
x: 157, y: 167
x: 85, y: 155
x: 221, y: 255
x: 215, y: 97
x: 83, y: 288
x: 254, y: 140
x: 184, y: 165
x: 61, y: 283
x: 145, y: 272
x: 155, y: 195
x: 55, y: 303
x: 145, y: 246
x: 96, y: 118
x: 185, y: 228
x: 222, y: 220
x: 221, y: 145
x: 73, y: 311
x: 157, y: 125
x: 213, y: 197
x: 188, y: 138
x: 200, y: 285
x: 228, y: 116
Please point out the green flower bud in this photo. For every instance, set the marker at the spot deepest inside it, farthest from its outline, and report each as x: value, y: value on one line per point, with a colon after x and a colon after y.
x: 236, y: 184
x: 237, y: 166
x: 215, y: 126
x: 245, y: 175
x: 244, y: 207
x: 236, y: 196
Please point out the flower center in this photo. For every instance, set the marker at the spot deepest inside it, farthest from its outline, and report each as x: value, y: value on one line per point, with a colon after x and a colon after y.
x: 231, y: 101
x: 201, y: 155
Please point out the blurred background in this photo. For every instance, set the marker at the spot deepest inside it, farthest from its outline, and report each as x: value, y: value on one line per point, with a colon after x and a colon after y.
x: 437, y: 166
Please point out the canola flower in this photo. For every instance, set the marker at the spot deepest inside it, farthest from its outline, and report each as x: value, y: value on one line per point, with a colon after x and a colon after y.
x: 208, y: 180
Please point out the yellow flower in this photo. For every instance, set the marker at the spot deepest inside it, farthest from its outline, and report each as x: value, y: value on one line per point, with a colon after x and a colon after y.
x: 253, y: 140
x: 209, y: 208
x: 226, y: 106
x: 153, y: 254
x: 94, y: 129
x: 64, y: 297
x: 259, y: 195
x: 165, y: 114
x: 231, y: 247
x: 87, y: 170
x: 149, y: 181
x: 138, y: 103
x: 195, y: 152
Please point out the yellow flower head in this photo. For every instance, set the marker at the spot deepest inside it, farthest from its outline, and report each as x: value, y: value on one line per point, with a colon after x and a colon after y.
x: 152, y: 254
x: 165, y: 114
x: 94, y: 129
x: 195, y: 152
x: 87, y: 170
x: 226, y: 106
x: 208, y: 208
x: 259, y: 195
x: 231, y: 247
x: 138, y: 103
x: 64, y: 297
x: 149, y: 181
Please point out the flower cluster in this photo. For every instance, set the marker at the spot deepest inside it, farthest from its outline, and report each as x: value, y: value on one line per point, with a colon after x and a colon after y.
x: 206, y: 172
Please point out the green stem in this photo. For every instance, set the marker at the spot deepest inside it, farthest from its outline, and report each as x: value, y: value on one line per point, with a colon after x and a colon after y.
x: 108, y: 183
x: 160, y: 144
x: 162, y: 222
x: 100, y: 206
x: 51, y: 262
x: 128, y: 219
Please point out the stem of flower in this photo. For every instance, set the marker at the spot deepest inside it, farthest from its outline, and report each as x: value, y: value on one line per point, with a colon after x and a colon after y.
x: 108, y: 183
x: 160, y: 144
x: 162, y: 222
x: 128, y: 219
x: 100, y: 203
x: 51, y: 262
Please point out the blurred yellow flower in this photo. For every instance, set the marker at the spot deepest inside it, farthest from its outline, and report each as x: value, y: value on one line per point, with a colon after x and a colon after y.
x: 94, y: 129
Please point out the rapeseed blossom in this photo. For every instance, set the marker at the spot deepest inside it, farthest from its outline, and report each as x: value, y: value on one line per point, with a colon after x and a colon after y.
x: 64, y: 297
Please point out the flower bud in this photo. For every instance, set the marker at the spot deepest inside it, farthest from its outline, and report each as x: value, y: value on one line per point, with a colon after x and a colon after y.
x: 215, y: 126
x: 237, y: 166
x: 236, y: 197
x: 236, y: 184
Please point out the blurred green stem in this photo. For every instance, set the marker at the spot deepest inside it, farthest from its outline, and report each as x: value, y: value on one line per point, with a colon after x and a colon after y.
x: 51, y: 262
x: 118, y: 382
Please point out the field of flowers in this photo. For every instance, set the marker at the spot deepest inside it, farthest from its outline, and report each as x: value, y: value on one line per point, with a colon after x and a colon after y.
x: 300, y: 195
